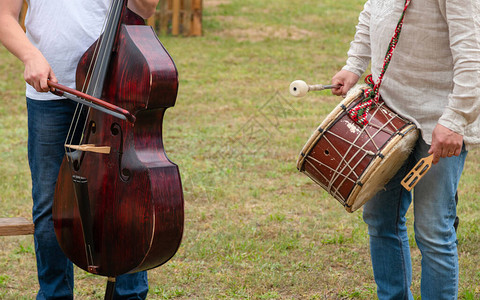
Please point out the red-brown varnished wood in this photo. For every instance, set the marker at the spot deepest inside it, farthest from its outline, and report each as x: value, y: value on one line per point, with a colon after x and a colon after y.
x: 135, y: 194
x: 341, y: 149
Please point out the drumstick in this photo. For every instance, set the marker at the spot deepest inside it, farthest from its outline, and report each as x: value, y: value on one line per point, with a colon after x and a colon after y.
x: 414, y: 176
x: 300, y: 88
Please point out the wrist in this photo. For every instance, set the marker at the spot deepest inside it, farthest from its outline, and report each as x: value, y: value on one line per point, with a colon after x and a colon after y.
x: 31, y: 55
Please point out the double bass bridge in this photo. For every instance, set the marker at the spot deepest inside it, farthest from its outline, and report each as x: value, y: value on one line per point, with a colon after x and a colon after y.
x: 90, y: 148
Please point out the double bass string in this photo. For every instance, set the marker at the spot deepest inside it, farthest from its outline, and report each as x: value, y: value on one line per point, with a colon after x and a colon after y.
x: 81, y: 112
x: 82, y: 109
x: 105, y: 49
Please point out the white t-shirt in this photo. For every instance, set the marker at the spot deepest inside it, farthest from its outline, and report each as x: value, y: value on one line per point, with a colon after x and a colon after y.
x: 63, y: 30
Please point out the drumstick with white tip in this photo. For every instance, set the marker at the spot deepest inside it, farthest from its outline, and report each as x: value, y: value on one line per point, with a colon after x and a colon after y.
x: 300, y: 88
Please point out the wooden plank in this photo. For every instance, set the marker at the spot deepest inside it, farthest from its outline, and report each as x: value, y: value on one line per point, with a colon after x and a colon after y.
x: 15, y: 226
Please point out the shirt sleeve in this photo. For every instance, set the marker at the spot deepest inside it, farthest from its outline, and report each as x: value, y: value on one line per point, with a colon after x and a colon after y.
x: 359, y: 54
x: 463, y: 109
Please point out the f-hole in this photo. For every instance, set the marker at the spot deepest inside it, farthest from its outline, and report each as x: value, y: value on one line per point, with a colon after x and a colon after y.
x: 124, y: 173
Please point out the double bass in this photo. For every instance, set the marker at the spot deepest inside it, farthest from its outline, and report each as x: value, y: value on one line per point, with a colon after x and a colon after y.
x: 118, y: 204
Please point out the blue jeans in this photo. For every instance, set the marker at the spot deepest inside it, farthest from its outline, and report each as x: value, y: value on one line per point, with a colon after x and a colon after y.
x: 48, y: 125
x: 434, y: 216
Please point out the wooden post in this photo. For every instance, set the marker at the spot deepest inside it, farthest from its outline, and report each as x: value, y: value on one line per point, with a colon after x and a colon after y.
x: 23, y: 13
x: 15, y: 226
x: 162, y: 17
x: 176, y: 17
x: 196, y: 27
x: 152, y: 20
x: 186, y: 16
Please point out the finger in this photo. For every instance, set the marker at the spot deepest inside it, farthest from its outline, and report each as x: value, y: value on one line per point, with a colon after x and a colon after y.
x: 454, y: 152
x: 344, y: 90
x: 337, y: 91
x: 436, y: 155
x: 443, y: 153
x: 52, y: 78
x: 30, y: 83
x: 458, y: 151
x: 44, y: 85
x: 36, y: 86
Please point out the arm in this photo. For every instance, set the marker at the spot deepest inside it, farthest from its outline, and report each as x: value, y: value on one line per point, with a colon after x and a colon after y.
x: 12, y: 36
x: 358, y: 55
x: 464, y: 101
x: 143, y: 8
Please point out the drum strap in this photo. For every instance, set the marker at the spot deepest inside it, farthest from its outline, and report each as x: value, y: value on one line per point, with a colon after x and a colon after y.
x: 372, y: 95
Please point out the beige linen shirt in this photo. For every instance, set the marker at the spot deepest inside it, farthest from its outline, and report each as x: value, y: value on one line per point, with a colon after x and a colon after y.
x: 434, y: 75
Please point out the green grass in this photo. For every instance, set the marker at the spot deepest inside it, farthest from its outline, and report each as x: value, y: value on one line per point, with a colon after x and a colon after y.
x: 255, y: 228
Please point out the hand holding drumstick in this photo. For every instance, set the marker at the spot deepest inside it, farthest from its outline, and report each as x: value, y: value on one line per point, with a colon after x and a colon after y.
x: 342, y: 82
x: 445, y: 143
x: 345, y: 80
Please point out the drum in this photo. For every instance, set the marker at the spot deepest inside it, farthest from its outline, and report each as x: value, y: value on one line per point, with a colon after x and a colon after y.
x: 352, y: 162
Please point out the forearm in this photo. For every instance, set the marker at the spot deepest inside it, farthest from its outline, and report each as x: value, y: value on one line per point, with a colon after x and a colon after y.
x: 359, y: 53
x: 37, y: 69
x: 14, y: 39
x: 144, y: 8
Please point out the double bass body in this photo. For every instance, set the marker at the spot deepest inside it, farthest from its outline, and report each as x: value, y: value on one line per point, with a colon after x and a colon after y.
x: 122, y: 211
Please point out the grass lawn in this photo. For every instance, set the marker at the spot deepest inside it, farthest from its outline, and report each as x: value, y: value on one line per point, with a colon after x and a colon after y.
x: 255, y: 228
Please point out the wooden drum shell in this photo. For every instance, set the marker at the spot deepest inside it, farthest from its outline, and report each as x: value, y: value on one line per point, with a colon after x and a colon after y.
x: 351, y: 162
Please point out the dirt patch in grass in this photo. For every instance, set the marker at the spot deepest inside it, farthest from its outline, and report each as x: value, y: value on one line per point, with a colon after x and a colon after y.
x: 258, y: 34
x: 214, y: 3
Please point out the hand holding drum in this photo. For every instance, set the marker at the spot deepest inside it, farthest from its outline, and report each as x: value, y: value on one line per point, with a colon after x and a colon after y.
x: 300, y: 88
